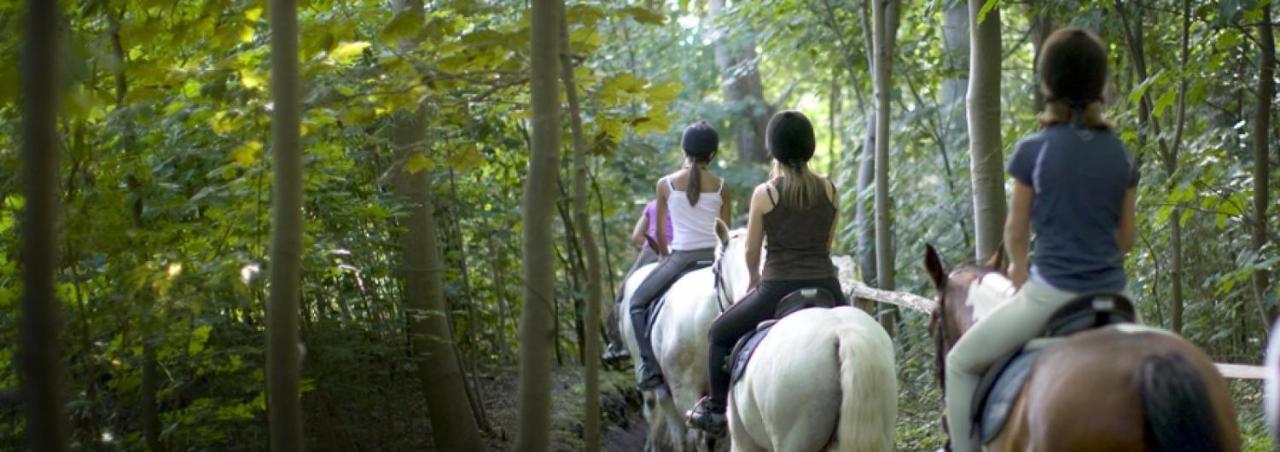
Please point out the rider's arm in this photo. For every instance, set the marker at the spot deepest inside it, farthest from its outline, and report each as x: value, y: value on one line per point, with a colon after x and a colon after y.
x: 1128, y: 213
x: 638, y: 234
x: 1017, y: 233
x: 661, y: 218
x: 834, y: 196
x: 760, y: 205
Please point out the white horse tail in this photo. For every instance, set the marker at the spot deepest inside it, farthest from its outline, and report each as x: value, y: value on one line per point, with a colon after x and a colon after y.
x: 868, y: 388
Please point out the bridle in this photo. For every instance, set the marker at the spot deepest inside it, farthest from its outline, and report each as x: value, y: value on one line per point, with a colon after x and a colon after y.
x: 723, y: 298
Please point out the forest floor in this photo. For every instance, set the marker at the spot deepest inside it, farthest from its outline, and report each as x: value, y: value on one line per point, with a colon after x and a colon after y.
x: 624, y: 426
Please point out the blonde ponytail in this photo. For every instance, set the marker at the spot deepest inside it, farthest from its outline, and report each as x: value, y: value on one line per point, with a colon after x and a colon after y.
x: 800, y: 187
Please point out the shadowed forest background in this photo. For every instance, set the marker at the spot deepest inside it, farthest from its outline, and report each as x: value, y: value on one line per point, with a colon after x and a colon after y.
x: 416, y: 133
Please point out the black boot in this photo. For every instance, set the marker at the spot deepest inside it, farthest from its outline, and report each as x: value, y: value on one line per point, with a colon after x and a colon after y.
x: 708, y: 415
x: 649, y: 374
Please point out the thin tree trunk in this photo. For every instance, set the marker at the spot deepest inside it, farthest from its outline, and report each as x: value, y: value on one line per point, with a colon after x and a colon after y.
x: 470, y: 362
x: 1261, y: 158
x: 453, y: 422
x: 862, y: 209
x: 1171, y: 169
x: 40, y: 352
x: 283, y: 366
x: 986, y: 159
x: 884, y: 32
x: 582, y: 216
x: 537, y: 326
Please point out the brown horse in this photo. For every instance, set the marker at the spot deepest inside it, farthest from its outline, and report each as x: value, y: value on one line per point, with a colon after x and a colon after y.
x: 1108, y: 389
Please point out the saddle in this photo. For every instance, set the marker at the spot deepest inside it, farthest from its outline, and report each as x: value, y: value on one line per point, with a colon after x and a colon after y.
x: 656, y: 307
x: 810, y: 297
x: 1002, y: 383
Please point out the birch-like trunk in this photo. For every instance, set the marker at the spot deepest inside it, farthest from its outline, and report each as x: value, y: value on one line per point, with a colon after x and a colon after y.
x: 986, y: 159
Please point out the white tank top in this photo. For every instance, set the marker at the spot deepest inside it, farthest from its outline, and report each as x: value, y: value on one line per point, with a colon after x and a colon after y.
x: 693, y: 227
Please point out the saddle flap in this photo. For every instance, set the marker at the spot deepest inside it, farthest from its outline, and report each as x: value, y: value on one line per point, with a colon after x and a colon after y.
x: 999, y: 390
x: 1090, y: 311
x: 746, y: 346
x: 809, y: 297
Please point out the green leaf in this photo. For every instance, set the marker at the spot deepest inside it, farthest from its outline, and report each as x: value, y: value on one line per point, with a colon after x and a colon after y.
x: 245, y: 154
x: 418, y: 162
x: 986, y: 8
x: 402, y: 26
x: 345, y: 52
x: 1165, y: 100
x: 645, y: 15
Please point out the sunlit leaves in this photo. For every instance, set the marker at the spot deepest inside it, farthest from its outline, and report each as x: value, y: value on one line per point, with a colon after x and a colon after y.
x: 345, y: 52
x: 417, y: 163
x: 246, y: 154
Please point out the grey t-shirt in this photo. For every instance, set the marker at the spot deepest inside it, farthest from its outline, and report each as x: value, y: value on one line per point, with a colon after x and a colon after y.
x: 1080, y: 177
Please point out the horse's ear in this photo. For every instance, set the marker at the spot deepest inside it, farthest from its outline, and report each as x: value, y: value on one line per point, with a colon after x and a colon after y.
x: 933, y: 265
x: 722, y: 232
x: 998, y: 260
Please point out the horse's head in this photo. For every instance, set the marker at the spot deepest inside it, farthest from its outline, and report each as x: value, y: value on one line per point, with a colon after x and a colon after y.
x: 731, y: 262
x: 952, y: 317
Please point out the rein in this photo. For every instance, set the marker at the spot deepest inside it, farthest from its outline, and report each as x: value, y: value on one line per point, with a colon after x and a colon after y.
x: 722, y: 299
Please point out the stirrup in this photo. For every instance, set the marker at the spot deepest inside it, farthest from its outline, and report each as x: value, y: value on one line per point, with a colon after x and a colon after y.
x: 707, y: 416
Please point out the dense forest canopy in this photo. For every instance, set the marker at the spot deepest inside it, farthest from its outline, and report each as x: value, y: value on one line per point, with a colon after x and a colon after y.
x: 415, y: 136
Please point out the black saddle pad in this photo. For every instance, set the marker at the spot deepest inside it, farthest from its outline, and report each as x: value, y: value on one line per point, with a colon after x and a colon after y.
x: 745, y: 348
x: 999, y: 390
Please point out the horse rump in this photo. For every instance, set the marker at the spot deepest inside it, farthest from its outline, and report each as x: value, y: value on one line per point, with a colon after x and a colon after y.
x: 1176, y: 404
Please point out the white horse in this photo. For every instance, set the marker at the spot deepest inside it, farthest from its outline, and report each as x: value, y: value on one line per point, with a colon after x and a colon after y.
x: 680, y: 343
x: 823, y: 379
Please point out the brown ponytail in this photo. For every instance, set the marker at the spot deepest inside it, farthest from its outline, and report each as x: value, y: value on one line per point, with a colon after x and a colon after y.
x: 694, y: 189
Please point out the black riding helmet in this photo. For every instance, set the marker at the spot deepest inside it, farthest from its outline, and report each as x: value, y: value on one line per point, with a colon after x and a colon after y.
x: 700, y: 141
x: 789, y: 138
x: 1073, y: 67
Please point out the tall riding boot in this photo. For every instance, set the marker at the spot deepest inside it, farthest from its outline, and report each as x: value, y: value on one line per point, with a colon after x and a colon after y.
x: 648, y: 374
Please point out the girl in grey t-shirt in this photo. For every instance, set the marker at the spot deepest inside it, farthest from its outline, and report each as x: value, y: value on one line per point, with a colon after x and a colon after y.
x: 1075, y: 186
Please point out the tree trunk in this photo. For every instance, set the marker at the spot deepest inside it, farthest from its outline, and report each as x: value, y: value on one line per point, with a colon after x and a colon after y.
x: 862, y: 209
x: 986, y: 159
x: 743, y: 89
x: 1171, y: 169
x: 284, y: 406
x: 453, y: 422
x: 1261, y: 158
x: 884, y: 32
x: 40, y: 352
x: 582, y: 216
x: 537, y: 326
x: 955, y: 85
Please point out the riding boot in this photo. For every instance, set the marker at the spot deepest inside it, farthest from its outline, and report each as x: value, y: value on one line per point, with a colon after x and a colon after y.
x: 708, y: 415
x: 648, y: 374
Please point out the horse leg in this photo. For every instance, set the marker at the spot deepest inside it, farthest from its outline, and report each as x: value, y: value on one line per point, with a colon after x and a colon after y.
x: 671, y: 417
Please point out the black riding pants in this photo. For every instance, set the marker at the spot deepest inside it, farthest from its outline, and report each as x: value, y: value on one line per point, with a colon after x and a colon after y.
x: 756, y: 306
x: 653, y: 286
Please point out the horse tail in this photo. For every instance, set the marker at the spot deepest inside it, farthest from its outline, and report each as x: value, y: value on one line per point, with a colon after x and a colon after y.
x: 1176, y: 404
x: 868, y: 387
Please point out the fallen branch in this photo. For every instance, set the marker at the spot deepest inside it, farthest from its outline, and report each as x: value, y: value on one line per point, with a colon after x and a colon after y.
x: 1241, y: 371
x: 854, y: 288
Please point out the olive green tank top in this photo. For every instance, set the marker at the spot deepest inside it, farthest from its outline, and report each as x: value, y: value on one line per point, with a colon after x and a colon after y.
x: 797, y: 240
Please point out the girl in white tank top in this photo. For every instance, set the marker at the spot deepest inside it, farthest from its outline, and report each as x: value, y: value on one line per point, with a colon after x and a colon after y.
x: 693, y: 216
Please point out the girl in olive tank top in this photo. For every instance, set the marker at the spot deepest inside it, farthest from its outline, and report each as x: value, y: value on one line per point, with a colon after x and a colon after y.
x: 793, y: 216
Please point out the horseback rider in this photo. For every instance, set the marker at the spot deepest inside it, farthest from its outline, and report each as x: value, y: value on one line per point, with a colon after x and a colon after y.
x: 691, y: 199
x: 796, y: 212
x: 1075, y: 185
x: 643, y: 237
